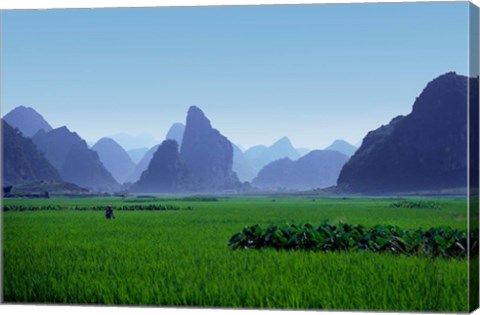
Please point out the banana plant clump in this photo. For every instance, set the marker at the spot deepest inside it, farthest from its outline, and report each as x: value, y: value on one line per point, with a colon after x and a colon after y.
x: 435, y: 242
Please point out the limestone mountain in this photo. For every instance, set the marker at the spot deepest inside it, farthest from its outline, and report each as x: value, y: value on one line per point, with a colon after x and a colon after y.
x: 207, y: 153
x: 425, y: 150
x: 317, y: 169
x: 22, y: 162
x: 167, y: 172
x: 176, y: 133
x: 260, y: 155
x: 342, y: 146
x: 115, y: 159
x: 27, y: 120
x: 77, y: 164
x: 56, y: 144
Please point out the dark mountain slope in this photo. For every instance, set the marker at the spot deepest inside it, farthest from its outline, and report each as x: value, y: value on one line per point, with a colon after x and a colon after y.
x: 21, y: 161
x: 424, y: 150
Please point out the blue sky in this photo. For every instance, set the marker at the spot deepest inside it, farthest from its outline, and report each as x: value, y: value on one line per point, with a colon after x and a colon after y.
x: 314, y: 73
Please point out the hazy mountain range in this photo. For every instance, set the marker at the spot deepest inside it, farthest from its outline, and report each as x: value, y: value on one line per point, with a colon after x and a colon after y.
x: 423, y: 150
x: 261, y: 155
x: 317, y: 169
x: 342, y: 146
x: 76, y: 163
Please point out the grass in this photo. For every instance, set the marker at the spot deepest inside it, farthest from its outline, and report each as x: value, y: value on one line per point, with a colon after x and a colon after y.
x: 182, y: 257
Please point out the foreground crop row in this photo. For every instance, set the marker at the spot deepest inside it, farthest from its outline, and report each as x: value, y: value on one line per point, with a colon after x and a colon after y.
x: 444, y: 242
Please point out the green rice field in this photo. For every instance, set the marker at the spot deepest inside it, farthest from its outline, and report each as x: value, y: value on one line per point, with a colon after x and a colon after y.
x: 180, y: 256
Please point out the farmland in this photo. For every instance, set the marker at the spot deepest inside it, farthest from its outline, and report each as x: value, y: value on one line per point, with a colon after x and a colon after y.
x: 177, y: 254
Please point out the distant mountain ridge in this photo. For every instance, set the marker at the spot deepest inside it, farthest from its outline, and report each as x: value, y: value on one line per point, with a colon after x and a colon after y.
x: 115, y: 159
x: 260, y: 155
x: 241, y: 166
x: 342, y: 146
x: 317, y: 169
x: 27, y: 120
x: 425, y: 150
x: 176, y: 132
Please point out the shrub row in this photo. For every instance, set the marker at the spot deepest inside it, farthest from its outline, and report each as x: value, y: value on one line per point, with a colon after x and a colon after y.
x: 413, y: 204
x: 199, y: 198
x: 30, y: 208
x: 443, y: 242
x: 150, y: 207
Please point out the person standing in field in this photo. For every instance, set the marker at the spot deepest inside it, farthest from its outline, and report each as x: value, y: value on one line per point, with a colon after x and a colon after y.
x: 109, y: 212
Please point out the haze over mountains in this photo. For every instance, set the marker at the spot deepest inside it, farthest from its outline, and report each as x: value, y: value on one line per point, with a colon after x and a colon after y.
x: 176, y: 133
x: 241, y: 166
x: 137, y: 154
x: 424, y: 150
x: 130, y: 142
x: 142, y: 165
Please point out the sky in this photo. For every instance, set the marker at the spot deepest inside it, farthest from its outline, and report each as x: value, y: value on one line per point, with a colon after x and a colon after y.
x: 314, y: 73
